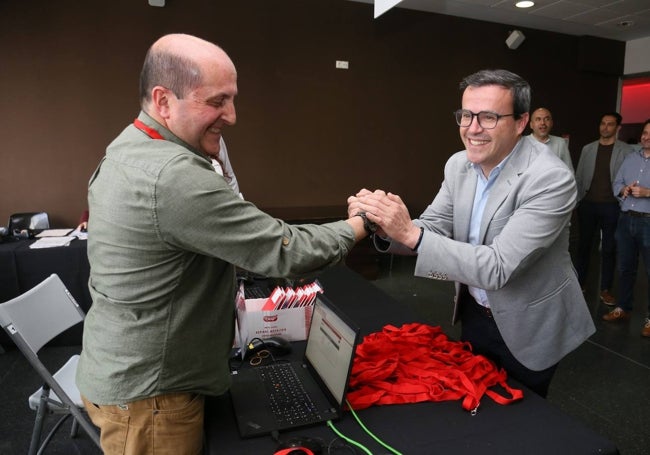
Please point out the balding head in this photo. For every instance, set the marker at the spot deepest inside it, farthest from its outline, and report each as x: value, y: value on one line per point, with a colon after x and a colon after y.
x: 541, y: 122
x: 188, y: 85
x: 180, y: 62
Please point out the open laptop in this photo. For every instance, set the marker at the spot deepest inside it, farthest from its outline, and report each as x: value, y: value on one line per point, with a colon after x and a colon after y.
x: 323, y: 375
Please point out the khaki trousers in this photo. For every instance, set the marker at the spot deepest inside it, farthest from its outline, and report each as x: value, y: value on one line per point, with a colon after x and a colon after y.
x: 169, y: 424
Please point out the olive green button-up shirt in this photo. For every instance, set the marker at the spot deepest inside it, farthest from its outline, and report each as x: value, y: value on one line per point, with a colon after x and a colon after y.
x: 165, y: 235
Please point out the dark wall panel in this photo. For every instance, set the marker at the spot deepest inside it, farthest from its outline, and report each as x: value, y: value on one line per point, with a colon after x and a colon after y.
x: 601, y: 55
x: 308, y: 135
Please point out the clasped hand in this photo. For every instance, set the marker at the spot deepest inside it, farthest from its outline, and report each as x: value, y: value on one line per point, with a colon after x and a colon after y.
x: 389, y: 212
x: 635, y: 190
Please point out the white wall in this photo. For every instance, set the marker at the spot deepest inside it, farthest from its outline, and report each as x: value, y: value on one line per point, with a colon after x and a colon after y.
x: 637, y: 56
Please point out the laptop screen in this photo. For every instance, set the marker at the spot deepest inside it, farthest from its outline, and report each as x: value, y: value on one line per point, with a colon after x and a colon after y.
x: 330, y: 348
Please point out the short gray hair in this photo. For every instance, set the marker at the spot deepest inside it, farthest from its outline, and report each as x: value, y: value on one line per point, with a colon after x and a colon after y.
x: 174, y: 72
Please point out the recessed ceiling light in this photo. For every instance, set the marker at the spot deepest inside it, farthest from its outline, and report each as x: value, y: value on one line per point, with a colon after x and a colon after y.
x: 625, y: 24
x: 524, y: 4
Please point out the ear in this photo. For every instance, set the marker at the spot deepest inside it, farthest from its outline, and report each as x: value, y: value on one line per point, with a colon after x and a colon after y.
x: 160, y: 101
x: 522, y: 122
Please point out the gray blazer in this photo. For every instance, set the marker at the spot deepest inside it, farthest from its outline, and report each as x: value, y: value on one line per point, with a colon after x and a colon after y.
x: 523, y: 263
x: 587, y: 164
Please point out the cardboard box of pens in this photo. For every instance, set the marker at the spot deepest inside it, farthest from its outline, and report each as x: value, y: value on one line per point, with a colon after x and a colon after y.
x: 286, y: 312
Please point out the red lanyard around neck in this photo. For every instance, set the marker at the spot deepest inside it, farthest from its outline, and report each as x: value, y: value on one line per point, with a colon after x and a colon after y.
x: 153, y: 134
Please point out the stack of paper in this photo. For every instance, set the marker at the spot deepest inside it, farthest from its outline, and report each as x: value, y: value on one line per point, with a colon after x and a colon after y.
x: 54, y: 233
x: 50, y: 242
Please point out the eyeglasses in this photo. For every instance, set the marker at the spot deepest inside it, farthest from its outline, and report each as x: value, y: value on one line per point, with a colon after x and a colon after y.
x: 486, y: 119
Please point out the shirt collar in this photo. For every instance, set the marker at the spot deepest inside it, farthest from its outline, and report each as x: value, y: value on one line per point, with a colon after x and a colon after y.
x: 168, y: 135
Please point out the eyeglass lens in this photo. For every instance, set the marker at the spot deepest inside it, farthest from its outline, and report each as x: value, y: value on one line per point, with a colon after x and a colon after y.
x: 487, y: 120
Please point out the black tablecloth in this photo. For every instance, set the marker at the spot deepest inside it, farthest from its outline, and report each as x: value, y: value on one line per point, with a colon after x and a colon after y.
x: 531, y: 426
x: 22, y: 268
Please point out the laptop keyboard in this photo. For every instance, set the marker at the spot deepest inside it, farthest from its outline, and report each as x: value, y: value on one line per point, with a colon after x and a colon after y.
x: 289, y: 401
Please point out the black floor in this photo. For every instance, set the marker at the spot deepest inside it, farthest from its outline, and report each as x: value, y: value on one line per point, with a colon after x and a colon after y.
x: 605, y: 383
x: 17, y: 382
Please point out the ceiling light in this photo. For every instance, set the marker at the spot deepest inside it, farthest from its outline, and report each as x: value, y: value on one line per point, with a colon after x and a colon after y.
x: 524, y: 4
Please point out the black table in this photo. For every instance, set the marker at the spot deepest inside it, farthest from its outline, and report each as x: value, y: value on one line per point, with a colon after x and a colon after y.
x: 22, y: 268
x: 531, y: 426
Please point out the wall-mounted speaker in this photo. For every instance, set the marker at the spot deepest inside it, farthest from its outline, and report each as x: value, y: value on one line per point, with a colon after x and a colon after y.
x: 515, y: 39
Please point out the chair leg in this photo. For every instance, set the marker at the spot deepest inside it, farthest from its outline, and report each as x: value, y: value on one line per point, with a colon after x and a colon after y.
x: 75, y: 428
x: 51, y: 434
x: 38, y: 421
x: 86, y: 424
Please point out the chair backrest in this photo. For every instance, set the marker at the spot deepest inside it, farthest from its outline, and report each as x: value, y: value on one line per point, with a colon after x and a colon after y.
x: 28, y: 220
x: 40, y: 314
x: 34, y: 318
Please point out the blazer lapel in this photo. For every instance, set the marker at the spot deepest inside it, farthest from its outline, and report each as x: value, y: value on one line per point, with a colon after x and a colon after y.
x: 463, y: 204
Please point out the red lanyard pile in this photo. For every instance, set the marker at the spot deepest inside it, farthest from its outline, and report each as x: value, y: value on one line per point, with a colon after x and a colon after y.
x: 417, y: 362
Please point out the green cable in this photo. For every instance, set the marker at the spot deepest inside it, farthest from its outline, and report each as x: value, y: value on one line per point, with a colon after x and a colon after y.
x: 386, y: 446
x: 345, y: 438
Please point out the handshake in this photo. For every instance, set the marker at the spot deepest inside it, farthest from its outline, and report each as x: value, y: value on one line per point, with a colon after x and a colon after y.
x: 389, y: 215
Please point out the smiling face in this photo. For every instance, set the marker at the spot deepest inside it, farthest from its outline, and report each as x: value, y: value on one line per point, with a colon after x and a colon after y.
x: 189, y: 85
x: 488, y: 147
x: 199, y: 117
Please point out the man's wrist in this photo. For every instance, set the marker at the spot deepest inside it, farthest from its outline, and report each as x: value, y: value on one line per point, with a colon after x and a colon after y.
x: 368, y: 225
x: 417, y: 244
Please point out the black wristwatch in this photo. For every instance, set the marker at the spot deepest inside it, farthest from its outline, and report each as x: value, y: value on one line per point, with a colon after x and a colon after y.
x: 368, y: 225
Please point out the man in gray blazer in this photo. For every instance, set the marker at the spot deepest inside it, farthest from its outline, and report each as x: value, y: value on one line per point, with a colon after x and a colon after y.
x: 499, y: 228
x: 598, y: 209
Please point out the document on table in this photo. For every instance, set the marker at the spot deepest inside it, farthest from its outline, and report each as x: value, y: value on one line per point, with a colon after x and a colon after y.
x: 54, y: 233
x: 50, y: 242
x: 78, y: 234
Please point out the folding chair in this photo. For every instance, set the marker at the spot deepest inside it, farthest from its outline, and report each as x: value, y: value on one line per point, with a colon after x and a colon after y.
x: 32, y: 320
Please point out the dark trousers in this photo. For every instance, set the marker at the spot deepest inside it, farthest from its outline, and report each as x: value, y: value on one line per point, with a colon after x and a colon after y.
x: 479, y: 328
x: 633, y: 239
x: 592, y: 218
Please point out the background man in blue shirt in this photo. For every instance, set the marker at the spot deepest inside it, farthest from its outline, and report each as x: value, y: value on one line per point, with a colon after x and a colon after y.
x: 632, y: 187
